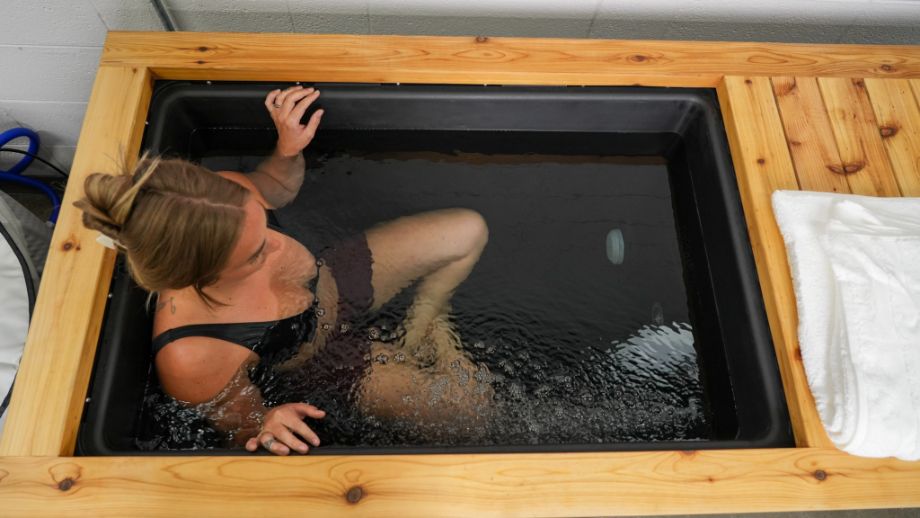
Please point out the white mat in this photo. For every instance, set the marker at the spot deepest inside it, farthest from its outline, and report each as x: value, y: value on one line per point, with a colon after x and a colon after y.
x: 23, y: 247
x: 855, y: 264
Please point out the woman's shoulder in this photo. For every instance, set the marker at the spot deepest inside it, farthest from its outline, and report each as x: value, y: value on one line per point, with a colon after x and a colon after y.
x: 177, y: 308
x: 192, y: 368
x: 196, y: 369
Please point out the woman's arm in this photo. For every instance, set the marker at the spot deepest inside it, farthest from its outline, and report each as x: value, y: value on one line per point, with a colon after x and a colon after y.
x: 280, y: 176
x: 217, y: 384
x: 238, y: 411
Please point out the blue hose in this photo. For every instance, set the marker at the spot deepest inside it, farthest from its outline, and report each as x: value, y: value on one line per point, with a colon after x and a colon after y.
x: 13, y: 174
x: 34, y: 142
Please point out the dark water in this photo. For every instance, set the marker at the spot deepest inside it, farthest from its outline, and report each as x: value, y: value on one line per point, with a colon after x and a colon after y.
x: 567, y: 347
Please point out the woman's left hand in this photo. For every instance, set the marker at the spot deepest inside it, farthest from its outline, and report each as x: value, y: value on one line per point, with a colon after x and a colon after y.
x: 287, y: 107
x: 283, y: 428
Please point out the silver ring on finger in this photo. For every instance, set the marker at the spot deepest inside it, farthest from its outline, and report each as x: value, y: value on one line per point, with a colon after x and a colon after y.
x: 276, y: 105
x: 268, y: 443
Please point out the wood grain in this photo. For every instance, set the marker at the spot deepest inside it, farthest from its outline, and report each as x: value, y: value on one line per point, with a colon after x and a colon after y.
x: 482, y: 59
x: 809, y: 134
x: 865, y: 160
x: 51, y: 384
x: 762, y: 165
x: 915, y: 86
x: 898, y: 117
x: 585, y: 484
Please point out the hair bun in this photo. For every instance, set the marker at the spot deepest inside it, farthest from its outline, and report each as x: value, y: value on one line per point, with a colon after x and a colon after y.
x: 176, y: 222
x: 97, y: 219
x: 109, y: 198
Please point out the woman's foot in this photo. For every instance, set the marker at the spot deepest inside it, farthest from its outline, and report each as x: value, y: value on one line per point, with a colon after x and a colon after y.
x: 430, y: 379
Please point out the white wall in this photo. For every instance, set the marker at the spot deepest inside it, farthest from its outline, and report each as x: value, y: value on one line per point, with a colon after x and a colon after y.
x: 49, y: 48
x: 49, y: 51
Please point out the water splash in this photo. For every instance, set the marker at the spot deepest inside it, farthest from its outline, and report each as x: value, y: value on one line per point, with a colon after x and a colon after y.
x: 643, y: 388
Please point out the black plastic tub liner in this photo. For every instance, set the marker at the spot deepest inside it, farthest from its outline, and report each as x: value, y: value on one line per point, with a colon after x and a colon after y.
x: 684, y: 126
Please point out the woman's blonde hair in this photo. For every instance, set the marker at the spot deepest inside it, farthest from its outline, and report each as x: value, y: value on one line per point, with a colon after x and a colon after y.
x: 175, y: 221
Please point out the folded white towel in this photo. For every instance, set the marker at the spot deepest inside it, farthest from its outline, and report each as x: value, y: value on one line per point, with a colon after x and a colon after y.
x: 855, y: 263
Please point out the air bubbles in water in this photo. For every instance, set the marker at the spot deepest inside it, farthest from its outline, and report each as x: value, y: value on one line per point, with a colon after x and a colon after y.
x: 645, y: 387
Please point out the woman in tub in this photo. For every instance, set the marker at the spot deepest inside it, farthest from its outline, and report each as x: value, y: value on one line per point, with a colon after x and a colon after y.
x: 239, y: 302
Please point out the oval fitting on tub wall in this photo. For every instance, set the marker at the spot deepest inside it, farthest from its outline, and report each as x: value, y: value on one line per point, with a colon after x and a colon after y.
x: 616, y: 247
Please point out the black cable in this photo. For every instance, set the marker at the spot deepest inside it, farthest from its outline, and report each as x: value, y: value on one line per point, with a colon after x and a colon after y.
x: 163, y: 12
x: 36, y: 157
x: 6, y: 399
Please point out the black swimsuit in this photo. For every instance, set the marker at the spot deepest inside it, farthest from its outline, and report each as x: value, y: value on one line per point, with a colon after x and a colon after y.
x: 275, y: 341
x: 346, y: 354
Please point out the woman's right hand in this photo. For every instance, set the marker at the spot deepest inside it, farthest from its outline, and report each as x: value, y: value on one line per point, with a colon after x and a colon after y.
x: 287, y: 107
x: 282, y: 426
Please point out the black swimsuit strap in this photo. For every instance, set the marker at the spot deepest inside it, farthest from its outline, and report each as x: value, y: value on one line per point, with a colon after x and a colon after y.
x: 246, y: 334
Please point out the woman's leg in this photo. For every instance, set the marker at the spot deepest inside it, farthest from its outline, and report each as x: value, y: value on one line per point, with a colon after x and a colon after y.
x: 440, y: 248
x: 457, y: 395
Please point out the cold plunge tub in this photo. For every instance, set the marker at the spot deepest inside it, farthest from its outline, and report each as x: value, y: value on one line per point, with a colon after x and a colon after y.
x: 553, y: 171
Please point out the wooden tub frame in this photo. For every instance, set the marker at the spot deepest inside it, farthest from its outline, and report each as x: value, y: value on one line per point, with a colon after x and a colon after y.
x: 817, y: 117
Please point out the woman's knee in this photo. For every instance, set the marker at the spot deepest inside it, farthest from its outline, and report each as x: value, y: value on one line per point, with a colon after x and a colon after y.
x: 469, y: 230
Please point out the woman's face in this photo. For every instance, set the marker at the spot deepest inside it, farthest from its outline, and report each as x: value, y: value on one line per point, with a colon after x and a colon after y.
x: 254, y: 245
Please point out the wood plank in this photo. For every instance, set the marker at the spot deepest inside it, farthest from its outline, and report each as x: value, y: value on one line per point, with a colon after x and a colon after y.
x: 47, y: 401
x: 582, y: 484
x: 762, y: 165
x: 809, y: 134
x: 898, y: 117
x: 865, y: 160
x: 478, y: 60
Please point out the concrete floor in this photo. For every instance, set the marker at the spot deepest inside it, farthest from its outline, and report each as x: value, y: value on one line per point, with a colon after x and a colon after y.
x: 37, y: 203
x: 29, y: 198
